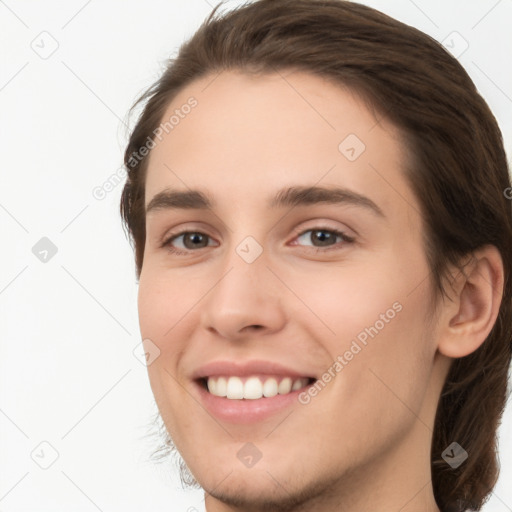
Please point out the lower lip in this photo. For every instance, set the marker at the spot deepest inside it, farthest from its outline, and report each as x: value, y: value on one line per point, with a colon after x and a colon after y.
x: 246, y: 411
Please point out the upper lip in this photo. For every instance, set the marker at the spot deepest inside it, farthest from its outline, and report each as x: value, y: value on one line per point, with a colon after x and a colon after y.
x: 246, y: 368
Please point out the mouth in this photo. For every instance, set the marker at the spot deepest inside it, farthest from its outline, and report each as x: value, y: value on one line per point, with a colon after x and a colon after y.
x: 251, y: 391
x: 253, y: 387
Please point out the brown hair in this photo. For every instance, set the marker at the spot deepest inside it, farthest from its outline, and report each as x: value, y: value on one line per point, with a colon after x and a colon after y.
x: 457, y: 170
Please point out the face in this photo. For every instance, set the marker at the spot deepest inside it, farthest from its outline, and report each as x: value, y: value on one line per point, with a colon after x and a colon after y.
x: 293, y: 281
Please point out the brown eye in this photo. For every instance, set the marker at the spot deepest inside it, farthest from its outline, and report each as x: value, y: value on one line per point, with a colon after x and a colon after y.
x: 191, y: 240
x: 321, y: 237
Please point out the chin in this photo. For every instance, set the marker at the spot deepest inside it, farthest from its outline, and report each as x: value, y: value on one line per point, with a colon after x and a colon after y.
x: 263, y: 490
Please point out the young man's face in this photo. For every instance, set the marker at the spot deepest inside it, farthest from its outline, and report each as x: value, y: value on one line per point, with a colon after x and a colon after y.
x: 264, y: 297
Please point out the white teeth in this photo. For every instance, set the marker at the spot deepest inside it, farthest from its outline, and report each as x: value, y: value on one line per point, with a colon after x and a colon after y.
x: 221, y: 389
x: 296, y: 385
x: 270, y: 388
x: 212, y: 386
x: 285, y: 386
x: 235, y: 388
x: 253, y: 388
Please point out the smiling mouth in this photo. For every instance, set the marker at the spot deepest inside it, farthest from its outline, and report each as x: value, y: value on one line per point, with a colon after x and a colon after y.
x: 253, y: 387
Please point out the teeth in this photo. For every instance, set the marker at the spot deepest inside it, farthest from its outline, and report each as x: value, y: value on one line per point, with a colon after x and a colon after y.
x: 212, y: 386
x: 270, y: 388
x: 253, y: 388
x: 285, y: 386
x: 296, y: 385
x: 235, y: 388
x: 221, y: 388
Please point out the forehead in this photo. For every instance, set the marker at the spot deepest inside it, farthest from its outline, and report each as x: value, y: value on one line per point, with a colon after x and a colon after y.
x: 247, y: 136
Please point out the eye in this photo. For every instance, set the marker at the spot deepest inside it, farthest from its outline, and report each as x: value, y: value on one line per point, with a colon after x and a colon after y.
x: 191, y: 240
x: 325, y: 238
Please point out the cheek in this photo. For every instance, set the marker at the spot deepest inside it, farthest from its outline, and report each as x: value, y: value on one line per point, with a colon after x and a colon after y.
x: 169, y: 308
x: 374, y: 317
x: 164, y: 309
x: 348, y: 298
x: 152, y: 299
x: 165, y: 303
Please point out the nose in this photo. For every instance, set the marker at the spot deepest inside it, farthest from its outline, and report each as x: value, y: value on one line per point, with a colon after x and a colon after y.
x: 246, y: 300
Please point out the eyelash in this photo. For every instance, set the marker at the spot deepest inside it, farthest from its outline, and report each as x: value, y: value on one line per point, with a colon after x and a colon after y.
x: 346, y: 240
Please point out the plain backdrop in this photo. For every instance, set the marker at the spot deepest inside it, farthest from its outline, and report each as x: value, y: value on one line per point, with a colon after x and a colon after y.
x: 75, y: 398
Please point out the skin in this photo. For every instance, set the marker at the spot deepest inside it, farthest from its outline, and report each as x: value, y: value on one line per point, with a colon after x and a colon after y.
x: 363, y: 443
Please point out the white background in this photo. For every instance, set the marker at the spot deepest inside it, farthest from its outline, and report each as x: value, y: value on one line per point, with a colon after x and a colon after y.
x: 69, y: 326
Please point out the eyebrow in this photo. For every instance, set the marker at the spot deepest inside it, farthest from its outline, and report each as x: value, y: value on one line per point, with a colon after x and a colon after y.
x: 288, y: 197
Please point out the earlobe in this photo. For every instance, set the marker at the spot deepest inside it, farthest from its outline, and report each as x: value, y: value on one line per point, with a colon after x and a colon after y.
x: 470, y: 317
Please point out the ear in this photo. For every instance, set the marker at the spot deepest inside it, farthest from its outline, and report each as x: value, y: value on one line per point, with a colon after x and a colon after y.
x: 467, y: 320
